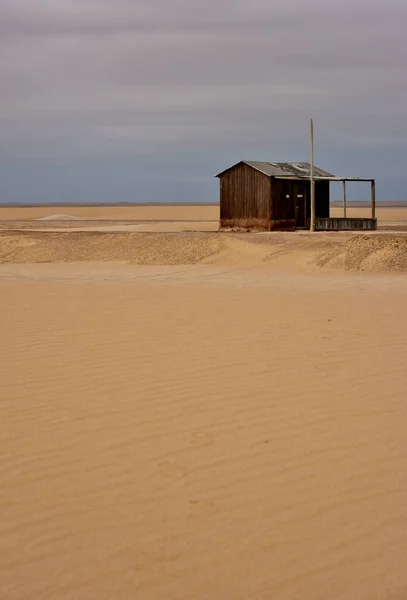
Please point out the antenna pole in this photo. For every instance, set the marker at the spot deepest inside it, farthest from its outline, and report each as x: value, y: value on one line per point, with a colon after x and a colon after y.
x: 313, y: 218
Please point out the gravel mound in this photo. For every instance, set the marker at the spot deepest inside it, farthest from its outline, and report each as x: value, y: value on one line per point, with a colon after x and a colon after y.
x: 368, y: 253
x: 133, y: 248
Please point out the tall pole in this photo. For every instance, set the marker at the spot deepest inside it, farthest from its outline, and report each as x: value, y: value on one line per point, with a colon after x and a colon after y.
x: 344, y: 199
x: 373, y: 191
x: 312, y: 224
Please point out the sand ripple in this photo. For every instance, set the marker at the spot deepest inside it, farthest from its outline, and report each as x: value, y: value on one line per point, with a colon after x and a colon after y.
x: 169, y: 440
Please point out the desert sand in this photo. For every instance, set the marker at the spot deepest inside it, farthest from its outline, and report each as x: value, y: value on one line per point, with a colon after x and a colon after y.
x: 169, y: 212
x: 202, y: 415
x: 179, y: 213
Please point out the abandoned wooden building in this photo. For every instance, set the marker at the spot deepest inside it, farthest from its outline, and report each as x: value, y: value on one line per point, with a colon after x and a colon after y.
x: 276, y: 196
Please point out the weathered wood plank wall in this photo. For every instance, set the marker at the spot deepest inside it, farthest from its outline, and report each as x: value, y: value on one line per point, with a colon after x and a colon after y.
x: 245, y: 198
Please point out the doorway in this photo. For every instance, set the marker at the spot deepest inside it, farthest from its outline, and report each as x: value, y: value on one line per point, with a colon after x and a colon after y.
x: 300, y: 205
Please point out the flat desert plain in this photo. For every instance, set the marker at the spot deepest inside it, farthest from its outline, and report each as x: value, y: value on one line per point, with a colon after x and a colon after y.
x: 201, y: 415
x: 170, y: 212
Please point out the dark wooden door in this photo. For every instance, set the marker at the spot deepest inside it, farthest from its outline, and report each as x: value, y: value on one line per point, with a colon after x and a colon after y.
x: 287, y: 206
x: 300, y: 203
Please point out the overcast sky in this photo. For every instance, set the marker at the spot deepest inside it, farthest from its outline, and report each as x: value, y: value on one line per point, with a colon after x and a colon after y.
x: 146, y: 100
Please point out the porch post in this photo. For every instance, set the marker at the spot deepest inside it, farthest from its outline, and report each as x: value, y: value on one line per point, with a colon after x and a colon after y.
x: 373, y: 188
x: 312, y: 181
x: 344, y: 199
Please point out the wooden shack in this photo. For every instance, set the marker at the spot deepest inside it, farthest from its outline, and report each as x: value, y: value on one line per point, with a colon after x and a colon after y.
x: 277, y: 196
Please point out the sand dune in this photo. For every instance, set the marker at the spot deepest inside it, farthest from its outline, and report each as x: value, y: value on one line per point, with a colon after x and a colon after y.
x: 134, y: 248
x: 385, y: 253
x: 59, y: 217
x: 368, y: 253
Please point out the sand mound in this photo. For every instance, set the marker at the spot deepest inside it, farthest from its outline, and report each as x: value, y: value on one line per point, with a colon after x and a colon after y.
x: 359, y: 253
x: 363, y: 253
x: 143, y: 248
x: 59, y: 218
x: 134, y: 248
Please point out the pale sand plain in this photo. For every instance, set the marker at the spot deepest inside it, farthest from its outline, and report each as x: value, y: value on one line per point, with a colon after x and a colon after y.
x: 202, y: 416
x: 185, y: 212
x: 178, y: 213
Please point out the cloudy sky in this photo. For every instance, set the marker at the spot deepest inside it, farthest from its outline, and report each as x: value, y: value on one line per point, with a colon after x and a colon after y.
x: 146, y: 100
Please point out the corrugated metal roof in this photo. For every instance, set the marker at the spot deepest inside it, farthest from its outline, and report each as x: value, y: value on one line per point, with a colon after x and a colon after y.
x: 293, y: 169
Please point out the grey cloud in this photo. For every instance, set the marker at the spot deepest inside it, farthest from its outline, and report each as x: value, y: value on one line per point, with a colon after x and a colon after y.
x: 108, y: 18
x: 88, y: 17
x: 103, y: 77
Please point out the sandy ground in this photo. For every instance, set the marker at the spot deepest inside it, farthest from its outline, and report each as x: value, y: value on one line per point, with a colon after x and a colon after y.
x: 187, y: 213
x: 117, y: 213
x: 202, y: 416
x: 285, y: 251
x: 393, y: 217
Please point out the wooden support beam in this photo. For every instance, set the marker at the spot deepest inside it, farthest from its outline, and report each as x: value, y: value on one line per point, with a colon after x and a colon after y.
x: 312, y: 182
x: 344, y: 199
x: 373, y: 185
